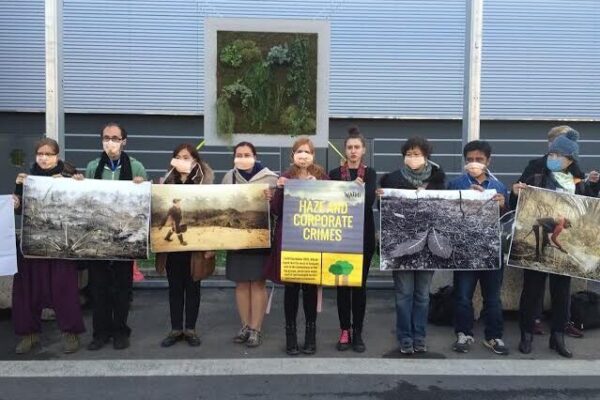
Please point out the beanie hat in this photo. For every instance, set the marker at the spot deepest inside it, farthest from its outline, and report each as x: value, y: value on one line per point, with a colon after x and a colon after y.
x: 566, y: 145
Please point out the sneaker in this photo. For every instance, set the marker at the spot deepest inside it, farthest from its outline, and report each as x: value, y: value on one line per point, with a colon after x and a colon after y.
x: 344, y: 340
x: 97, y: 344
x: 538, y: 328
x: 420, y: 346
x: 407, y: 348
x: 172, y: 338
x: 242, y: 335
x: 27, y: 343
x: 573, y: 331
x: 497, y: 346
x: 192, y: 338
x: 463, y: 343
x: 254, y: 338
x: 71, y: 343
x: 48, y: 314
x: 120, y: 342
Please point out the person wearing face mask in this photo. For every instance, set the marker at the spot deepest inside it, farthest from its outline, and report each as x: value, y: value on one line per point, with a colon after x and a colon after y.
x: 412, y: 287
x: 245, y: 267
x: 185, y: 269
x: 477, y: 155
x: 352, y: 301
x: 45, y: 283
x: 557, y: 175
x: 111, y: 281
x: 302, y: 167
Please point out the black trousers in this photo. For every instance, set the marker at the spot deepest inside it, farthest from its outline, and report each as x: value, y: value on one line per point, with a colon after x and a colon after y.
x: 110, y: 283
x: 291, y: 302
x: 532, y: 298
x: 352, y: 301
x: 184, y: 293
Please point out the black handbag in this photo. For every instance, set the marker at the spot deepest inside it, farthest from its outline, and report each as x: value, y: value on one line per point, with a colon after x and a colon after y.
x: 441, y: 306
x: 585, y: 309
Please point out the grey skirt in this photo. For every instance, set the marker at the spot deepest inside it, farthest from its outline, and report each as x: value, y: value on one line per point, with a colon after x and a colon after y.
x: 244, y: 265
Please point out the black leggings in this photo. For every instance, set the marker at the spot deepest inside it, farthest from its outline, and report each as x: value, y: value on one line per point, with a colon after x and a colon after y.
x: 184, y: 293
x: 352, y: 301
x: 309, y: 301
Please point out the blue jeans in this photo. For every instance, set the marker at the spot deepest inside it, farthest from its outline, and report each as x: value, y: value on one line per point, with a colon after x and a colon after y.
x: 464, y: 286
x: 412, y: 305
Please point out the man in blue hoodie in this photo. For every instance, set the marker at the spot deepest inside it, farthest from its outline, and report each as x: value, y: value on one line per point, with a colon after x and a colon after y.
x: 477, y: 156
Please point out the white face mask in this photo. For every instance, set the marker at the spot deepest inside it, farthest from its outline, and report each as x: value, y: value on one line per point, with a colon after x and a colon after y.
x: 182, y: 166
x: 302, y: 159
x: 111, y: 148
x: 414, y: 162
x: 244, y: 163
x: 475, y: 169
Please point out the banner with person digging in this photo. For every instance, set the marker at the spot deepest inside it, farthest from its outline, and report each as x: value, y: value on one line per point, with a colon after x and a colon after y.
x: 557, y: 233
x: 209, y: 217
x: 439, y: 230
x: 322, y: 227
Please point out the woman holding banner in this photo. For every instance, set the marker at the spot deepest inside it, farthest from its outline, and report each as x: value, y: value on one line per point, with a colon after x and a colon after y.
x: 352, y: 301
x: 45, y: 283
x: 302, y: 167
x: 557, y: 174
x: 245, y: 267
x: 185, y: 269
x: 412, y: 287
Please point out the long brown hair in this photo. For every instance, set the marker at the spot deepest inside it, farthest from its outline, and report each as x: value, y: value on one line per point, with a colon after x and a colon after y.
x: 314, y: 169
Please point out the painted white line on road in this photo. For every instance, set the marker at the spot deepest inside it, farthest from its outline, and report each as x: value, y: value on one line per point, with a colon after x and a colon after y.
x: 287, y: 366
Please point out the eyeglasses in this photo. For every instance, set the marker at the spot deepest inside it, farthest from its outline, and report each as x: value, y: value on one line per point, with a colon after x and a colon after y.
x: 111, y: 139
x: 45, y: 154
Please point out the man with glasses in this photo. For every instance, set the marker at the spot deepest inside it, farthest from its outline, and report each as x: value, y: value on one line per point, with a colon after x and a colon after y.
x: 111, y: 281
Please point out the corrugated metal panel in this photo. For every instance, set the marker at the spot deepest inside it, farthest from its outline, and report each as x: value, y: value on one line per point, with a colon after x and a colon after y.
x: 22, y: 82
x: 541, y: 59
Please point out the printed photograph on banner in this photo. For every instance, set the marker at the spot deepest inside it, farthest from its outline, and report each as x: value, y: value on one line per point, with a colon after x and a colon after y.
x: 341, y: 269
x: 557, y: 233
x: 301, y: 267
x: 88, y: 219
x: 209, y: 217
x: 323, y: 216
x: 439, y: 230
x: 8, y: 241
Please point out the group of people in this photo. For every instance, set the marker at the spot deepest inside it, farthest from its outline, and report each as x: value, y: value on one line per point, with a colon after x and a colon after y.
x: 42, y: 283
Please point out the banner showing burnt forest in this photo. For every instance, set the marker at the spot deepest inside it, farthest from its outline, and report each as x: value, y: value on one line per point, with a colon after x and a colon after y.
x: 439, y: 230
x: 88, y: 219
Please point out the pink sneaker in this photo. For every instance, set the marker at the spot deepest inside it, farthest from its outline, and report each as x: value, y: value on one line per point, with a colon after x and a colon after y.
x: 344, y: 341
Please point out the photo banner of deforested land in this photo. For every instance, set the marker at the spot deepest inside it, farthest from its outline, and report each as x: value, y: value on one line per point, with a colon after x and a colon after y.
x: 209, y: 217
x: 322, y: 239
x: 85, y: 220
x: 439, y: 230
x: 557, y: 232
x: 8, y: 242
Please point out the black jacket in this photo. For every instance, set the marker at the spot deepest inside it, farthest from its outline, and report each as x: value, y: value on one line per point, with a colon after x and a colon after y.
x: 395, y: 180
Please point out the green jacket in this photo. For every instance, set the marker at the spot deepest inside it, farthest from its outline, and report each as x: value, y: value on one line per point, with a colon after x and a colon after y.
x: 137, y: 169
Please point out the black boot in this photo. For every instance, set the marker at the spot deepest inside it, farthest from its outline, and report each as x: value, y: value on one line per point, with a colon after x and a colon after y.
x: 525, y: 344
x: 310, y: 338
x: 557, y: 342
x: 291, y: 340
x: 183, y: 242
x: 168, y: 237
x: 357, y: 342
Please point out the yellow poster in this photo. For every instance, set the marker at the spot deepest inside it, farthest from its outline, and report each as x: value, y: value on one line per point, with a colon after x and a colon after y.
x: 341, y: 269
x: 301, y: 267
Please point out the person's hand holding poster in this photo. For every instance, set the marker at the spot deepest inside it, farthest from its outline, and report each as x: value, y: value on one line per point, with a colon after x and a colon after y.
x: 322, y: 232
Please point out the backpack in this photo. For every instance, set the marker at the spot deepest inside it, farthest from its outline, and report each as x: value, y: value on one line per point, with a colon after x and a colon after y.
x: 585, y: 309
x: 441, y: 306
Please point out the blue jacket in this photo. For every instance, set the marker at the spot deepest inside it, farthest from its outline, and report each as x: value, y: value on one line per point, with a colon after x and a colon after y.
x: 465, y: 181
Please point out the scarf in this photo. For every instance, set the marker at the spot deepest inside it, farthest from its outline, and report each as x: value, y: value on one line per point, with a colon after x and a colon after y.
x: 345, y: 171
x: 249, y: 175
x: 565, y: 181
x: 416, y: 178
x: 124, y: 162
x: 38, y: 171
